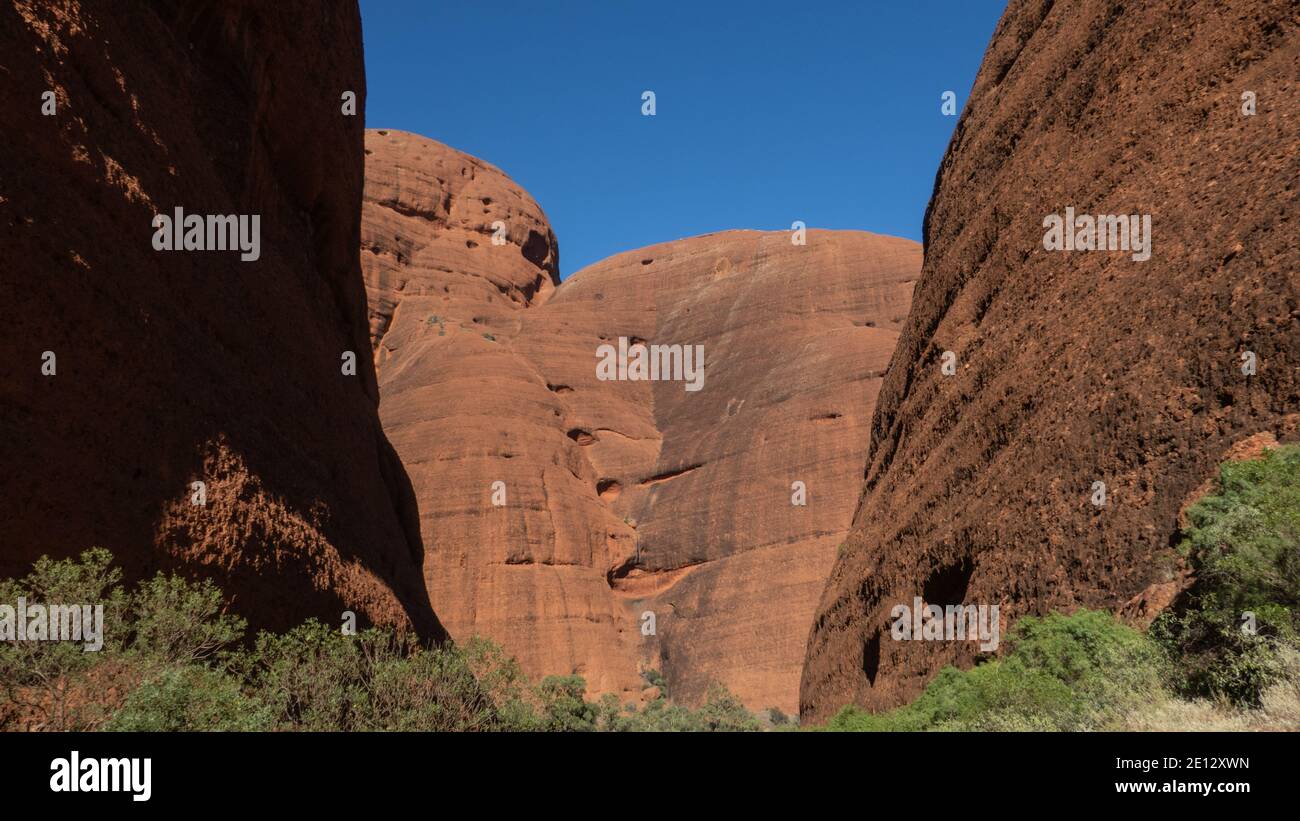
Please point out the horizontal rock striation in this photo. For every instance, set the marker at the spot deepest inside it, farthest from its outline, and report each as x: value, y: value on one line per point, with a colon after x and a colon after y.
x: 1076, y: 367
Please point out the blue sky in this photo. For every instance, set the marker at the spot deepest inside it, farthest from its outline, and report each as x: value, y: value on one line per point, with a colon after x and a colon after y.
x: 767, y: 112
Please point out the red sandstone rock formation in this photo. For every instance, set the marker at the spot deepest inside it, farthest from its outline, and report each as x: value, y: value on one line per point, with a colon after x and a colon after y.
x: 176, y: 367
x: 1076, y: 367
x: 623, y: 497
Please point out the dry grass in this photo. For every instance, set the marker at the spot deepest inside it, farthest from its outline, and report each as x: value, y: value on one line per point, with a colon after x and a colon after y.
x: 1279, y: 712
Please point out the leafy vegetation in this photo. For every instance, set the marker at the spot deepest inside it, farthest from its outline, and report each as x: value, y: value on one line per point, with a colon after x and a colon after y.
x: 163, y: 623
x: 1243, y: 543
x: 1198, y: 667
x: 1076, y: 672
x: 172, y: 660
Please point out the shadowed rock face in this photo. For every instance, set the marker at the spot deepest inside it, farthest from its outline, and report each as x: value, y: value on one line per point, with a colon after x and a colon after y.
x: 177, y: 367
x: 623, y: 497
x: 1076, y: 367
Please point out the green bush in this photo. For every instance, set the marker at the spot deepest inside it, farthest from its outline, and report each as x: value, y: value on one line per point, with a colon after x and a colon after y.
x: 45, y: 684
x: 165, y: 623
x: 721, y: 712
x: 314, y: 678
x: 190, y: 698
x: 177, y: 662
x: 175, y: 622
x: 654, y: 678
x: 1087, y: 671
x: 563, y: 705
x: 1243, y: 544
x: 1076, y: 672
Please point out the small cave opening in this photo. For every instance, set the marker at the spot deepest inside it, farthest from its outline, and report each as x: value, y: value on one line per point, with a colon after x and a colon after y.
x: 581, y: 436
x: 536, y: 249
x: 871, y: 658
x: 948, y: 585
x: 609, y: 489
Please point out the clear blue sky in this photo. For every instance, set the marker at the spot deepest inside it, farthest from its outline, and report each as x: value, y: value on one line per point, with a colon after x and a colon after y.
x: 768, y: 112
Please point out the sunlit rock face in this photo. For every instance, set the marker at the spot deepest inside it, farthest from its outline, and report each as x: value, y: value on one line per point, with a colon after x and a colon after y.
x: 1073, y: 368
x: 623, y: 497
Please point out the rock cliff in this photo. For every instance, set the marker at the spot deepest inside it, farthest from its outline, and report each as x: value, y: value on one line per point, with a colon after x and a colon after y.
x: 1072, y: 368
x: 128, y: 374
x: 623, y: 498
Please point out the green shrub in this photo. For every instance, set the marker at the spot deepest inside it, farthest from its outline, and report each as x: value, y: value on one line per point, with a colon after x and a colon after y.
x: 177, y: 662
x: 1087, y: 671
x: 723, y: 712
x: 164, y: 623
x: 662, y: 716
x: 314, y: 678
x: 1077, y: 672
x: 654, y: 678
x: 45, y: 684
x: 1243, y: 544
x: 191, y: 698
x: 563, y: 705
x: 176, y: 622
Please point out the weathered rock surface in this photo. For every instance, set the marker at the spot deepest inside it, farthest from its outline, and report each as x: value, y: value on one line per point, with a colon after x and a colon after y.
x: 177, y: 367
x: 1076, y: 367
x: 623, y: 497
x: 795, y: 342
